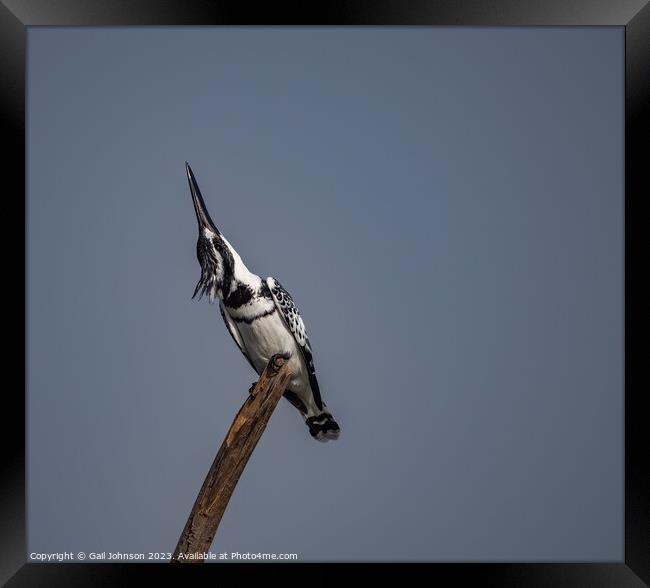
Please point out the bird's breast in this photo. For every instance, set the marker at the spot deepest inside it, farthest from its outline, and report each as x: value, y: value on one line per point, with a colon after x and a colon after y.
x: 267, y: 335
x: 251, y: 311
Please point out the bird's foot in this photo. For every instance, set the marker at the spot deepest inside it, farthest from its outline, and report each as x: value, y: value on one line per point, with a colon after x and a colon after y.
x: 277, y: 361
x: 252, y: 389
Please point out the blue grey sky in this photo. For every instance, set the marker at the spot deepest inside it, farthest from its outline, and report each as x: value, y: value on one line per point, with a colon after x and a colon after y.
x: 445, y: 206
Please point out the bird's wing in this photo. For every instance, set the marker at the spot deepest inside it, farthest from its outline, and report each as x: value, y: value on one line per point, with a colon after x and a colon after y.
x: 289, y: 312
x: 234, y: 332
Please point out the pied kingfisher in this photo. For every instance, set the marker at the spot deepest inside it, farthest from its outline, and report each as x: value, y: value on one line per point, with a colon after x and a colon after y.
x: 260, y: 316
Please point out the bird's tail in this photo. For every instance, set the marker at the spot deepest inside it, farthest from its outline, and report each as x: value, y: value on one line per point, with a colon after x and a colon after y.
x: 323, y: 427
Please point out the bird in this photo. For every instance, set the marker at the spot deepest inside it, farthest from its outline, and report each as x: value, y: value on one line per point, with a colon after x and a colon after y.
x: 260, y: 316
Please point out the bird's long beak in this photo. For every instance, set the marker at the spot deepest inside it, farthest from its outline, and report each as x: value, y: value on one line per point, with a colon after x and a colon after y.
x: 202, y: 215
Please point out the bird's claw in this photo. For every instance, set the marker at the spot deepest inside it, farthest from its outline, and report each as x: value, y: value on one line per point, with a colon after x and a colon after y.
x: 276, y: 364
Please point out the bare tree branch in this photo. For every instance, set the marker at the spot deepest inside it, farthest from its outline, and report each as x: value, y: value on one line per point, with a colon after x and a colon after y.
x: 234, y: 453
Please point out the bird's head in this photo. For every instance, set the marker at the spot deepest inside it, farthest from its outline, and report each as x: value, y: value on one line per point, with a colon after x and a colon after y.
x: 213, y: 253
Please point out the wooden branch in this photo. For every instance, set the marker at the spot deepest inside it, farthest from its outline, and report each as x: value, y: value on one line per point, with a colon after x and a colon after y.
x: 234, y: 453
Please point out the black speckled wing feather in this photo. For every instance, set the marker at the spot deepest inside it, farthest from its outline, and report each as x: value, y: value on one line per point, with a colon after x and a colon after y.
x: 287, y: 308
x: 234, y: 333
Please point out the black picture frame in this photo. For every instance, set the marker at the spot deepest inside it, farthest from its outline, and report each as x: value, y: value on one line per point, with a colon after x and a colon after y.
x: 15, y: 18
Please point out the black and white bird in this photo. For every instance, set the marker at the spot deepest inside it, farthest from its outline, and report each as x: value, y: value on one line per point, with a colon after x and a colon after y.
x: 260, y: 316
